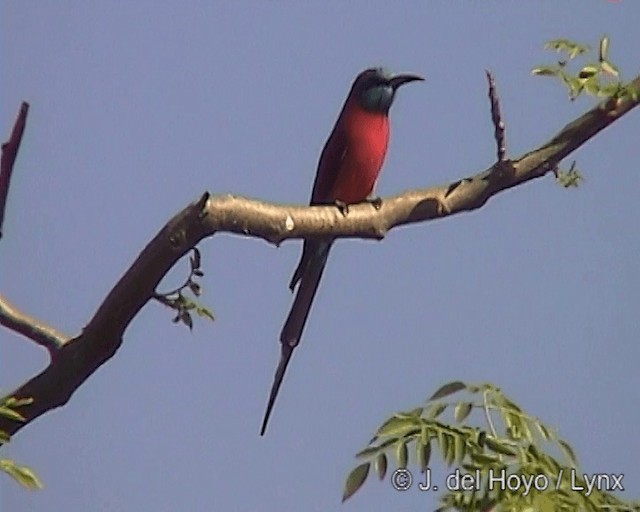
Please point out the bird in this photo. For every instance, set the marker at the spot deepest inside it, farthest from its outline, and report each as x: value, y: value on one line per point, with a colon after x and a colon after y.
x: 348, y: 168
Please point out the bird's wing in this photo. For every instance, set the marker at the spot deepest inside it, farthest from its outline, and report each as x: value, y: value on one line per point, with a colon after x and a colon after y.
x: 331, y: 158
x: 329, y: 166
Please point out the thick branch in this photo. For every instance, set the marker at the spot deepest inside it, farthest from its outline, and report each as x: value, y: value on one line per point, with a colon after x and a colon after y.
x: 9, y: 154
x: 76, y: 360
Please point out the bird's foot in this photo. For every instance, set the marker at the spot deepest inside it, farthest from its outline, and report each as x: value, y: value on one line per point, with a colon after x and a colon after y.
x: 343, y: 207
x: 376, y: 202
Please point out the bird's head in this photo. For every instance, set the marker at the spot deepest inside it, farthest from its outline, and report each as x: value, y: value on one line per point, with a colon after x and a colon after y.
x: 375, y: 88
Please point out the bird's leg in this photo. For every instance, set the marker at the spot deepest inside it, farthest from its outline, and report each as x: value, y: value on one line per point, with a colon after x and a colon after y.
x: 375, y: 201
x: 343, y: 207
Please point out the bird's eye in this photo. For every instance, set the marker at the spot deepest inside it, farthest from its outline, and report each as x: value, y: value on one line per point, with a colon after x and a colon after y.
x: 377, y: 80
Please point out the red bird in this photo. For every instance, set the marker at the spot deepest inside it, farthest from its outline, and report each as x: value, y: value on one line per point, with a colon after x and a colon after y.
x: 347, y: 172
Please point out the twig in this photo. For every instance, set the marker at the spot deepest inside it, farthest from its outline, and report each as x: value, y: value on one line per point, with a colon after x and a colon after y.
x: 9, y: 154
x: 42, y: 334
x: 496, y: 117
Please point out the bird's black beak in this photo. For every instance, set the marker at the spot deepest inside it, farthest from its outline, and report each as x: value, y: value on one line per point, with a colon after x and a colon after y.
x: 399, y: 80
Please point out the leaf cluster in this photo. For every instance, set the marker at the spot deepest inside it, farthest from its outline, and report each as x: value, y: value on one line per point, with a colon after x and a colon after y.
x: 486, y: 431
x: 21, y: 474
x: 599, y: 77
x: 182, y: 304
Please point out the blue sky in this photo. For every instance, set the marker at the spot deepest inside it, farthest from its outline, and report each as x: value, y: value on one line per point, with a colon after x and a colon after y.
x: 139, y: 107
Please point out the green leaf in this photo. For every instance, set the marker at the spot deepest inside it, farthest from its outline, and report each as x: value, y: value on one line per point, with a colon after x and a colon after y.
x: 604, y: 48
x: 499, y: 446
x: 631, y: 91
x: 576, y: 50
x: 435, y: 410
x: 397, y: 426
x: 354, y: 481
x: 195, y: 288
x: 544, y: 431
x: 568, y: 451
x: 459, y: 449
x: 416, y: 412
x: 508, y: 404
x: 204, y: 313
x: 444, y: 444
x: 451, y: 449
x: 532, y: 449
x: 448, y: 389
x: 424, y: 435
x: 484, y: 459
x: 402, y: 454
x: 552, y: 464
x: 29, y: 479
x: 21, y: 474
x: 575, y: 87
x: 592, y: 86
x: 545, y: 71
x: 186, y: 319
x: 11, y: 414
x: 526, y: 431
x: 471, y: 468
x: 556, y: 44
x: 424, y: 456
x: 14, y: 403
x: 570, y: 178
x: 514, y: 432
x: 609, y: 90
x: 380, y: 465
x: 572, y: 48
x: 588, y: 71
x: 462, y: 410
x: 188, y: 304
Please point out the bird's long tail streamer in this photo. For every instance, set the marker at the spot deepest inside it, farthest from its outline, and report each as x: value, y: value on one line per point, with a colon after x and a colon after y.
x: 294, y: 325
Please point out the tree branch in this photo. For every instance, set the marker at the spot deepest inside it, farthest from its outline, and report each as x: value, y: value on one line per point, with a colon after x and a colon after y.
x: 42, y: 334
x: 9, y: 154
x: 76, y: 360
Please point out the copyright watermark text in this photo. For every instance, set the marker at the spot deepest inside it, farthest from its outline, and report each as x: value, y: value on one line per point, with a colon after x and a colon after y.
x: 403, y: 480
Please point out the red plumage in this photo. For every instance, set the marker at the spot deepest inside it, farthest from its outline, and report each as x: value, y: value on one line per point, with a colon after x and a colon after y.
x: 352, y: 156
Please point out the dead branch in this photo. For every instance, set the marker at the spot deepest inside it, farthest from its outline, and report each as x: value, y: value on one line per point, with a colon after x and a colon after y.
x: 496, y: 118
x: 9, y: 154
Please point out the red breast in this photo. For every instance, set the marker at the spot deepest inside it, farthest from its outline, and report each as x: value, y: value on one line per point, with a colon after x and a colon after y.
x: 367, y: 137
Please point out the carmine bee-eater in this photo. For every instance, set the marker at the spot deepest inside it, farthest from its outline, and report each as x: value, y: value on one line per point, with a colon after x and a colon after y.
x: 347, y: 172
